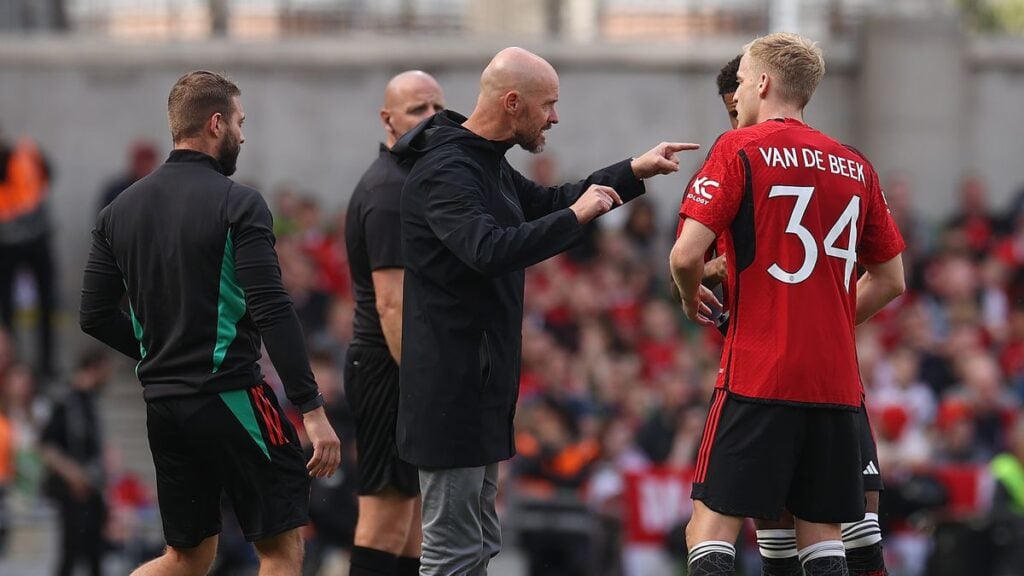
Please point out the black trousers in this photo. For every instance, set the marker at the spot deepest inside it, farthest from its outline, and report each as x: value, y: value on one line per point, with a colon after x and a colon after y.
x: 37, y: 256
x: 81, y: 543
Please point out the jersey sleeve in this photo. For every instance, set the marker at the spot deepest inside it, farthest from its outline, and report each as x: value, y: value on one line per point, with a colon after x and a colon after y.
x: 713, y: 195
x: 881, y: 240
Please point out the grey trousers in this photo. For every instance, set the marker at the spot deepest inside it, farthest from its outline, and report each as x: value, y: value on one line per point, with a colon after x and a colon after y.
x: 460, y: 526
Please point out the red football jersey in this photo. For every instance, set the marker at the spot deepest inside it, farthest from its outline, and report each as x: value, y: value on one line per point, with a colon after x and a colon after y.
x: 796, y: 211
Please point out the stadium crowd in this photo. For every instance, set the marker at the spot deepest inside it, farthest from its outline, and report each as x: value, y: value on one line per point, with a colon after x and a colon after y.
x: 614, y: 389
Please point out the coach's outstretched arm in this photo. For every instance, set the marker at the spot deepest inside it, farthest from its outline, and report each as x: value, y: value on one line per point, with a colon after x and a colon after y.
x: 625, y: 177
x: 458, y: 213
x: 879, y: 285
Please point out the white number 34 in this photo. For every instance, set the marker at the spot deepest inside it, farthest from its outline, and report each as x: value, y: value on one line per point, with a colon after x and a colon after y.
x: 847, y: 219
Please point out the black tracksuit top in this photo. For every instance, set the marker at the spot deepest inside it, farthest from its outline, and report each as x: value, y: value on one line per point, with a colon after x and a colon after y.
x: 195, y: 253
x: 471, y: 225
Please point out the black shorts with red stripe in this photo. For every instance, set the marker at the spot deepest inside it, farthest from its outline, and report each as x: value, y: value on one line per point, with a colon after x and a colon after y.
x: 756, y: 458
x: 238, y: 443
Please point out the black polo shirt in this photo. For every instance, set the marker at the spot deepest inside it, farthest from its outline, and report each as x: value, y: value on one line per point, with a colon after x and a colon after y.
x: 373, y: 235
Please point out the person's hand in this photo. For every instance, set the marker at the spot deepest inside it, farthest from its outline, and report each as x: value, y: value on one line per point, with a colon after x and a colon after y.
x: 326, y: 446
x: 698, y: 309
x: 595, y: 201
x: 78, y: 482
x: 660, y: 160
x: 715, y: 272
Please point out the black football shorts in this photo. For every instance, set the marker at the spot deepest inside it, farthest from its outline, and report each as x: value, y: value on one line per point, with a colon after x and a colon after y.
x: 868, y: 453
x: 755, y: 459
x: 371, y: 388
x: 239, y: 443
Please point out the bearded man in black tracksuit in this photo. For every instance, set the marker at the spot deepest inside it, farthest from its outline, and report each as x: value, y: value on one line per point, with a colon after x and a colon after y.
x: 471, y: 224
x: 194, y: 253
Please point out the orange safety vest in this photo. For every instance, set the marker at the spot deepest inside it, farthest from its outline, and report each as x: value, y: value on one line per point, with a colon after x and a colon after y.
x: 26, y: 184
x: 6, y: 451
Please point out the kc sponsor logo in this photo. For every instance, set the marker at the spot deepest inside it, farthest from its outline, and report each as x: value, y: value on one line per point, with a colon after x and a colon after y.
x: 700, y: 193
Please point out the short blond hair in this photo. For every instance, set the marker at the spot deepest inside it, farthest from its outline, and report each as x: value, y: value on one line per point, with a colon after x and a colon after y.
x: 795, y: 63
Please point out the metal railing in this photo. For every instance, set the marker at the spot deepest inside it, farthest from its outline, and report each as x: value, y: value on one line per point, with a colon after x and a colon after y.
x: 569, y: 20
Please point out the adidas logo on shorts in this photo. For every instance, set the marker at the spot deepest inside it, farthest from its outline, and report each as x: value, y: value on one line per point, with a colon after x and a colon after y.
x: 871, y: 469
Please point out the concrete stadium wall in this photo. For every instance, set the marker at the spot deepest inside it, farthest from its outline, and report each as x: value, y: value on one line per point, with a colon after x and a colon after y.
x: 929, y: 110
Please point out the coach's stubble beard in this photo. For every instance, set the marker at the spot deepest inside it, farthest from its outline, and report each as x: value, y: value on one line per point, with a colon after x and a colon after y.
x: 533, y: 143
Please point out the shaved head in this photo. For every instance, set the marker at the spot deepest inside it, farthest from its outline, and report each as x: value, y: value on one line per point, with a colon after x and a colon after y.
x: 518, y: 92
x: 517, y: 69
x: 405, y: 83
x: 409, y: 98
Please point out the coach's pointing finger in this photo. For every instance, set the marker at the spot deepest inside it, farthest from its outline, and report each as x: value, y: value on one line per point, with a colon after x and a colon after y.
x: 660, y: 160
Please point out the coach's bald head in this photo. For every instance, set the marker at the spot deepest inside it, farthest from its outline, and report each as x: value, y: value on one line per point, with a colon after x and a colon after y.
x: 518, y: 92
x: 517, y: 69
x: 409, y: 98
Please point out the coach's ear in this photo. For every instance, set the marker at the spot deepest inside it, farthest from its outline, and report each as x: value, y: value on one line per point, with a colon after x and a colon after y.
x: 511, y: 102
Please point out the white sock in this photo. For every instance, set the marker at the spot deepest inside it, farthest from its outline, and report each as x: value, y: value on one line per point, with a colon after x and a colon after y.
x: 822, y: 550
x: 862, y: 534
x: 710, y: 547
x: 779, y: 543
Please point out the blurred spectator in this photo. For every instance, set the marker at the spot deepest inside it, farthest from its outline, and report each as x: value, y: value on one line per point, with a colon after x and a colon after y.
x: 1010, y: 251
x: 8, y: 355
x: 331, y: 258
x: 1007, y: 511
x: 994, y: 302
x: 25, y: 229
x: 298, y: 274
x: 25, y: 412
x: 990, y: 405
x: 643, y: 235
x: 286, y: 208
x: 900, y: 385
x: 659, y: 345
x: 142, y: 159
x: 337, y: 333
x: 668, y: 430
x: 131, y: 508
x: 553, y: 465
x: 543, y: 170
x: 333, y: 503
x: 72, y: 449
x: 972, y: 219
x: 916, y: 232
x: 958, y: 437
x: 899, y: 194
x: 6, y: 475
x: 1012, y: 356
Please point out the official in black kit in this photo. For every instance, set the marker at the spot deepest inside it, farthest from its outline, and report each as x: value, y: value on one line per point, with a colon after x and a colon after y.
x: 387, y: 539
x: 194, y: 252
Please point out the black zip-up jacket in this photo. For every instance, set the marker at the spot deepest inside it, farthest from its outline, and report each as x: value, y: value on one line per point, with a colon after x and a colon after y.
x: 195, y: 252
x: 471, y: 224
